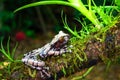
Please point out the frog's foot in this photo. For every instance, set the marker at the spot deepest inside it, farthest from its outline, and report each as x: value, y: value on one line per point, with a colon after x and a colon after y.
x: 44, y: 72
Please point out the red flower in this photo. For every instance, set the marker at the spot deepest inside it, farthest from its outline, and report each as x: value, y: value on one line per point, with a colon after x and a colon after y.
x: 20, y: 36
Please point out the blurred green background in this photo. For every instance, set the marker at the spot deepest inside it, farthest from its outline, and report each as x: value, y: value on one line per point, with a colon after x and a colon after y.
x: 32, y: 20
x: 41, y: 19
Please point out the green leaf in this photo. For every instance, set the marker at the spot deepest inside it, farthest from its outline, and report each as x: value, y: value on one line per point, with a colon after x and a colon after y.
x: 13, y: 51
x: 78, y: 56
x: 117, y: 2
x: 8, y: 46
x: 44, y: 3
x: 63, y: 70
x: 85, y: 74
x: 76, y: 4
x: 2, y: 50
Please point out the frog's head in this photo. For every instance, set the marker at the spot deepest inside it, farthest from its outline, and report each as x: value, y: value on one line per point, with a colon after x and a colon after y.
x: 60, y: 39
x: 61, y: 36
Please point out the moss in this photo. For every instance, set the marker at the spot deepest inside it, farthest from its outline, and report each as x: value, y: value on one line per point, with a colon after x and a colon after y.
x: 94, y: 47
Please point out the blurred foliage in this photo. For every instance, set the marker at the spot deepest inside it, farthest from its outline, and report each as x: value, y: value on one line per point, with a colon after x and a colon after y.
x: 8, y: 23
x: 117, y: 2
x: 28, y: 20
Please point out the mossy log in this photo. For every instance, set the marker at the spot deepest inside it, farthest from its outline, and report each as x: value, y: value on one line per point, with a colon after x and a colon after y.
x: 100, y: 46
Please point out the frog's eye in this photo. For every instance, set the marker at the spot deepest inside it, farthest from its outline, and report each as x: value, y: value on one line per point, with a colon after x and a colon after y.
x: 61, y: 39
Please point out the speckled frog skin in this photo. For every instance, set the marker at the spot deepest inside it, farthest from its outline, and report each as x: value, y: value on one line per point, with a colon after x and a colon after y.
x: 56, y: 47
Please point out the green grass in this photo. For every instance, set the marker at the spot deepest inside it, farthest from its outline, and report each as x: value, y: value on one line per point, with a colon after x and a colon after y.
x: 9, y: 63
x: 9, y: 54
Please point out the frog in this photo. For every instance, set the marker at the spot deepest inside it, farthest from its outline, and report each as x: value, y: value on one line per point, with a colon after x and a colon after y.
x: 56, y: 47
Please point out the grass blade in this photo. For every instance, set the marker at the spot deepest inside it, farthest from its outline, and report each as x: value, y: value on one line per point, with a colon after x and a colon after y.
x: 44, y: 3
x: 8, y: 47
x: 4, y: 52
x: 13, y: 51
x: 85, y: 74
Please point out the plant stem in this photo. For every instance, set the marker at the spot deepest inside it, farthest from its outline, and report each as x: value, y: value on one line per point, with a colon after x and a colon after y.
x: 77, y: 4
x: 7, y: 55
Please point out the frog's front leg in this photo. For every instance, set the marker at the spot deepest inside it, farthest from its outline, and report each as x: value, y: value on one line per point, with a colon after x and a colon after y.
x: 57, y: 52
x: 44, y: 50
